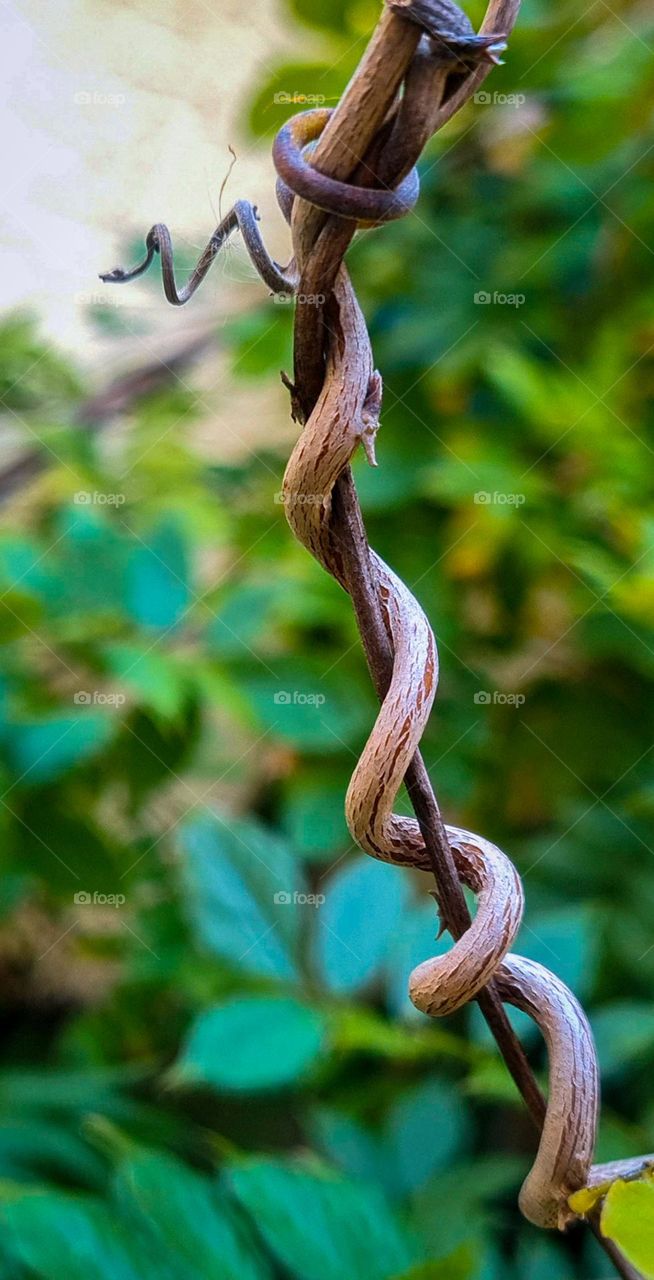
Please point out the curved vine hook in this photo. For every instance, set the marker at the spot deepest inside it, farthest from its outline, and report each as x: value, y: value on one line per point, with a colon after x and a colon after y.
x: 243, y: 216
x: 296, y: 177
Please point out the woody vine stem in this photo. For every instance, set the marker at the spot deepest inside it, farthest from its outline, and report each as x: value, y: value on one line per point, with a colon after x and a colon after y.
x: 339, y: 170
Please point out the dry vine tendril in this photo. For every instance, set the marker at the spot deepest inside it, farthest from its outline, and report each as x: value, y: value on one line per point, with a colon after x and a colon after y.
x: 338, y: 170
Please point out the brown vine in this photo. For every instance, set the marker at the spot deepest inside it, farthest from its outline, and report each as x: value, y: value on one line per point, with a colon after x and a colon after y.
x: 423, y: 62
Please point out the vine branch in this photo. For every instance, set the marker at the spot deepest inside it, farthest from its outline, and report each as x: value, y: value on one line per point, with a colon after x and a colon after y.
x: 356, y: 145
x: 351, y: 133
x: 361, y: 169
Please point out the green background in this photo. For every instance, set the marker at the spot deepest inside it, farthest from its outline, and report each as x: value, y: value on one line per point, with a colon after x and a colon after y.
x: 206, y: 1079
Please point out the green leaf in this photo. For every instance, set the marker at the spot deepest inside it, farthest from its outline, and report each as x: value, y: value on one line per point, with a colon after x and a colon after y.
x: 541, y: 1259
x: 51, y: 376
x: 243, y: 616
x: 239, y: 881
x: 91, y: 558
x: 414, y: 942
x: 252, y: 1044
x: 304, y: 706
x: 466, y: 1190
x: 628, y: 1219
x: 56, y: 1092
x: 355, y: 1150
x: 297, y: 86
x: 159, y: 681
x: 390, y: 485
x: 189, y: 1217
x: 426, y: 1128
x: 362, y: 913
x: 361, y: 1030
x: 22, y: 566
x: 157, y: 583
x: 261, y: 340
x: 458, y: 1266
x: 624, y: 1034
x: 338, y: 17
x: 32, y: 1148
x: 321, y: 1227
x: 314, y: 813
x: 43, y: 750
x: 566, y: 941
x: 490, y: 1081
x: 61, y: 1238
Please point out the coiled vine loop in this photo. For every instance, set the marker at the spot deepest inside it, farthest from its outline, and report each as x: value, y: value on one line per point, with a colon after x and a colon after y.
x: 428, y: 48
x: 345, y: 416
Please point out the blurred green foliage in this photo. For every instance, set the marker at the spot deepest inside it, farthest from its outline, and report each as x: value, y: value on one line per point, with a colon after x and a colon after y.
x: 208, y: 1051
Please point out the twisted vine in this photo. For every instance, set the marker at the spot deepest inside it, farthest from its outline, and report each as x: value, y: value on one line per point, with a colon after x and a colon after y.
x: 338, y: 171
x: 346, y: 415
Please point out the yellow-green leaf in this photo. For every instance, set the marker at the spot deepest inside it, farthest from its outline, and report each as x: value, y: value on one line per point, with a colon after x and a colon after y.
x: 583, y: 1201
x: 628, y: 1219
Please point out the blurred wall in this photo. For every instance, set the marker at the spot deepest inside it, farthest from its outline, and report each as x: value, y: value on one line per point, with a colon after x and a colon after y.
x: 118, y: 115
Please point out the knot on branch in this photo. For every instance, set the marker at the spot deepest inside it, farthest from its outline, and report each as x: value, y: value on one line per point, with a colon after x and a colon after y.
x: 453, y: 36
x: 291, y: 151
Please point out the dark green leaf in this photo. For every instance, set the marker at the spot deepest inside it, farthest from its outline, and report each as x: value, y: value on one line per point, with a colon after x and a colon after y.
x: 319, y: 1226
x: 252, y: 1044
x: 189, y: 1218
x: 241, y: 883
x: 158, y: 586
x: 361, y: 916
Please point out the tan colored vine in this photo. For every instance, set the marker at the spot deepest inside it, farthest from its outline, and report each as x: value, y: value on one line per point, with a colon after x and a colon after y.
x: 338, y: 170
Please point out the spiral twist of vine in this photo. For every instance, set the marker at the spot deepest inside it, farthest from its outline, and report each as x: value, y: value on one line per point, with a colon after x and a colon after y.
x: 345, y: 415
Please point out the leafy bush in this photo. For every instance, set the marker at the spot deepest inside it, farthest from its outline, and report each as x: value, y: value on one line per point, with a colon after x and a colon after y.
x: 194, y: 1066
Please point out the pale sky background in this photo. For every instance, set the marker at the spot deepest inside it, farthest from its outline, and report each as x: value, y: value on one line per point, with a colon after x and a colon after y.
x: 117, y: 115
